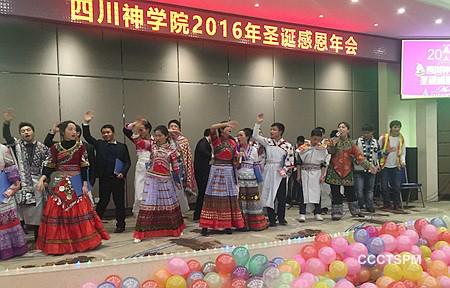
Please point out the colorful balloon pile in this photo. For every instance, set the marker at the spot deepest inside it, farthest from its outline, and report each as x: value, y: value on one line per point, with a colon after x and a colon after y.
x: 416, y: 254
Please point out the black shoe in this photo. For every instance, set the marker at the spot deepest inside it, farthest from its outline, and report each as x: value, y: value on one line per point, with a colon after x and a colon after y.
x: 272, y: 224
x: 204, y: 231
x: 371, y: 210
x: 119, y: 230
x: 228, y: 231
x: 283, y: 222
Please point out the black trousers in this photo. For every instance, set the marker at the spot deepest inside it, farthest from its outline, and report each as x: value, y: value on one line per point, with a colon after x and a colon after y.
x: 116, y: 187
x: 336, y: 196
x: 202, y: 182
x: 302, y: 209
x: 281, y: 207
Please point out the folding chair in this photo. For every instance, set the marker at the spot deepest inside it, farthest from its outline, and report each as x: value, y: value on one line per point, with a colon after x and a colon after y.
x: 406, y: 185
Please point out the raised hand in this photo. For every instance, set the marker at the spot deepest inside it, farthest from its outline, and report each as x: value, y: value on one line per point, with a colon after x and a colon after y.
x: 260, y: 118
x: 88, y: 116
x: 8, y: 115
x: 55, y: 128
x: 233, y: 124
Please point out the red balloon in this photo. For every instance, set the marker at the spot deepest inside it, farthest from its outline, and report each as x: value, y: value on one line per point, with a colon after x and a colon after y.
x: 194, y: 265
x: 238, y: 283
x: 444, y: 236
x: 401, y: 229
x: 353, y: 278
x: 419, y: 224
x: 150, y: 284
x: 308, y: 251
x: 322, y: 240
x: 199, y: 284
x: 225, y: 264
x: 409, y: 284
x: 116, y: 280
x: 390, y: 228
x: 397, y: 284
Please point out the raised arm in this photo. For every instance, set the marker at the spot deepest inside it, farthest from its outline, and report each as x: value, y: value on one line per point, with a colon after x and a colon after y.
x: 88, y: 116
x: 8, y: 116
x: 48, y: 141
x: 258, y: 138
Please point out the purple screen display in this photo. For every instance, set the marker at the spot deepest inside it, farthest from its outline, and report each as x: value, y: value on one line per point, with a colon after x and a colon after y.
x: 425, y: 69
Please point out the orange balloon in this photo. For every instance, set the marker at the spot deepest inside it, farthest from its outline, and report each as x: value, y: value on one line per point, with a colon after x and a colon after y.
x: 384, y: 282
x: 438, y: 268
x: 285, y: 268
x: 161, y: 277
x: 364, y: 275
x: 428, y: 282
x: 375, y: 273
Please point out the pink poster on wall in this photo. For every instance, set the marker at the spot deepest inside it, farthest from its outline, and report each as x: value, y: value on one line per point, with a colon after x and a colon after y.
x: 425, y: 69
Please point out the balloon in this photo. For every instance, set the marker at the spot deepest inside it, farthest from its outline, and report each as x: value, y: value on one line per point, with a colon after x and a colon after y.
x: 368, y: 285
x: 426, y: 251
x: 315, y: 266
x: 384, y: 281
x: 301, y: 283
x: 393, y: 271
x: 327, y: 255
x: 344, y: 283
x: 364, y: 275
x: 444, y: 236
x: 428, y: 282
x: 409, y: 284
x: 295, y: 267
x: 208, y: 267
x: 439, y: 255
x: 330, y: 283
x: 322, y: 239
x: 286, y: 278
x: 444, y: 282
x: 116, y: 280
x: 320, y: 284
x: 238, y: 283
x: 339, y: 244
x: 385, y: 258
x: 278, y: 260
x: 403, y: 243
x: 416, y: 250
x: 300, y: 261
x: 241, y: 255
x: 390, y: 243
x: 412, y: 235
x: 285, y: 268
x: 353, y: 266
x: 225, y: 264
x: 194, y: 276
x: 375, y: 245
x: 361, y: 235
x: 176, y: 281
x: 401, y: 229
x: 257, y: 264
x: 199, y: 284
x: 389, y: 228
x: 429, y: 233
x: 375, y: 273
x: 438, y: 268
x: 270, y: 274
x: 194, y: 265
x: 161, y: 277
x: 338, y: 269
x: 240, y: 272
x: 372, y: 230
x: 255, y: 282
x: 440, y: 244
x: 308, y: 251
x: 309, y: 277
x: 419, y: 223
x: 350, y: 238
x: 413, y: 272
x: 355, y: 250
x: 90, y: 285
x: 150, y: 284
x: 177, y: 266
x: 397, y: 284
x: 438, y: 222
x: 213, y: 279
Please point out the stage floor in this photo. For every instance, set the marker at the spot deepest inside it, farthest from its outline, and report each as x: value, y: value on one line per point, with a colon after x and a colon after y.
x: 122, y: 246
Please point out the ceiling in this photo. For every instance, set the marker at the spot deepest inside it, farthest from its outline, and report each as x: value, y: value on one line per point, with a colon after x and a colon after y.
x: 418, y: 21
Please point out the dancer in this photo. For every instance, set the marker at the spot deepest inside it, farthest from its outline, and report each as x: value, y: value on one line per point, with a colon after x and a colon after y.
x: 340, y: 171
x: 159, y: 212
x: 30, y: 156
x: 142, y: 140
x: 248, y: 185
x: 69, y: 221
x: 202, y: 167
x: 311, y: 172
x: 221, y: 205
x: 295, y: 184
x: 279, y: 161
x: 112, y: 164
x: 12, y: 237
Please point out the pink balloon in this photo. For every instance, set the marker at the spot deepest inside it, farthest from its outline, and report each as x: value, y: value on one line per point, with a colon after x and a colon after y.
x: 344, y: 283
x: 327, y: 255
x: 309, y: 277
x: 301, y: 283
x: 339, y: 244
x: 355, y: 250
x: 177, y: 266
x: 412, y: 235
x: 372, y: 231
x: 390, y: 244
x: 444, y: 282
x: 446, y: 250
x: 439, y: 255
x: 403, y: 243
x: 315, y: 266
x: 353, y: 265
x: 430, y: 233
x: 368, y: 285
x: 89, y: 285
x: 300, y: 261
x: 416, y: 250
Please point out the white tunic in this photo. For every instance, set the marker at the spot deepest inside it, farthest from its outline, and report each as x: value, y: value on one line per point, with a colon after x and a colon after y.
x: 279, y: 156
x: 313, y: 158
x: 143, y: 158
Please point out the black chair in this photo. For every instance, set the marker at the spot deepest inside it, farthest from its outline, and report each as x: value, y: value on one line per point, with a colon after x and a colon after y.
x: 408, y: 186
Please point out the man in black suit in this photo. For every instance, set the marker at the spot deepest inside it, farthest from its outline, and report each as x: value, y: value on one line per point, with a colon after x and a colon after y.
x: 108, y: 151
x: 202, y: 158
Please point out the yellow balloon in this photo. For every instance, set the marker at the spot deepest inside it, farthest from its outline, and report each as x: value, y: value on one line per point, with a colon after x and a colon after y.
x: 440, y: 244
x: 426, y: 251
x: 320, y: 284
x: 285, y: 268
x: 442, y: 229
x: 176, y: 281
x: 393, y: 271
x: 413, y: 272
x: 296, y: 269
x: 438, y: 268
x: 338, y: 269
x: 428, y: 282
x: 350, y: 238
x: 406, y: 259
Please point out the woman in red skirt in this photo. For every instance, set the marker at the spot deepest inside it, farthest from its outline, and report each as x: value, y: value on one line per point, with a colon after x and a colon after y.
x: 69, y: 222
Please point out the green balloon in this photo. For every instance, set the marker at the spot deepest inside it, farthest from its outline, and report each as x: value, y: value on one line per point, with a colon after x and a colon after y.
x: 257, y: 264
x: 284, y: 286
x: 213, y: 279
x: 240, y: 255
x: 286, y: 278
x: 329, y: 282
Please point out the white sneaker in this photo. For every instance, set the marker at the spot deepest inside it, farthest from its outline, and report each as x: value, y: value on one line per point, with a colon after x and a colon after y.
x: 136, y: 240
x: 318, y: 217
x: 302, y: 218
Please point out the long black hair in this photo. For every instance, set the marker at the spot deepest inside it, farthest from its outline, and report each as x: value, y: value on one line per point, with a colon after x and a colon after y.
x: 63, y: 126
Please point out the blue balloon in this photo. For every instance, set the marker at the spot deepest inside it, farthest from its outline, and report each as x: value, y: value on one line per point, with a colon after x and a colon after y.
x: 278, y: 261
x: 375, y: 245
x: 361, y: 236
x: 438, y: 222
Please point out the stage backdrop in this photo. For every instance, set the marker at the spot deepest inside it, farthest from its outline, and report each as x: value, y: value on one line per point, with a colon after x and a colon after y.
x: 51, y: 72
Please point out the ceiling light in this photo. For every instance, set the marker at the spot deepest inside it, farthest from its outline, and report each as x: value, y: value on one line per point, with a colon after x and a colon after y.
x: 401, y: 10
x: 256, y: 5
x: 438, y: 21
x: 376, y: 24
x: 355, y: 1
x: 321, y: 16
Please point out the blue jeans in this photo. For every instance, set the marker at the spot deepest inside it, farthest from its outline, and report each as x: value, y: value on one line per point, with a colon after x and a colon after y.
x: 364, y: 183
x: 390, y: 183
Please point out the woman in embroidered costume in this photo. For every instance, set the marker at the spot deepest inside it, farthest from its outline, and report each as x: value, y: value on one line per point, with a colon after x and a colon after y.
x: 221, y: 205
x: 69, y: 221
x: 142, y: 140
x: 340, y: 171
x: 188, y: 194
x: 248, y: 185
x: 159, y: 212
x: 12, y: 237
